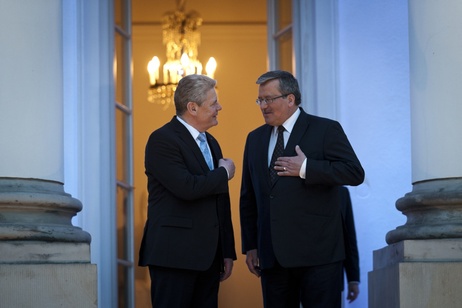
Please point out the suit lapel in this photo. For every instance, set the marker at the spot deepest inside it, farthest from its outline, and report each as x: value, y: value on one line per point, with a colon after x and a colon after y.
x: 298, y: 131
x: 214, y: 148
x: 263, y: 154
x: 300, y: 127
x: 186, y: 137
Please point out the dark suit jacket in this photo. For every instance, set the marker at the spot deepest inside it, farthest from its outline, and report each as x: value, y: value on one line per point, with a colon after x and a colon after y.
x: 351, y: 262
x: 189, y: 212
x: 297, y: 221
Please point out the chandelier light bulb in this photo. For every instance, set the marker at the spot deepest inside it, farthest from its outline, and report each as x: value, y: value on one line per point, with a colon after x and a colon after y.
x: 210, y: 67
x: 153, y: 69
x: 181, y: 37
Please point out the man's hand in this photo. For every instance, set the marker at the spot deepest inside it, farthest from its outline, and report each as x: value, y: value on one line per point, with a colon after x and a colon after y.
x: 228, y: 268
x: 253, y: 262
x: 290, y: 165
x: 228, y: 164
x: 353, y: 291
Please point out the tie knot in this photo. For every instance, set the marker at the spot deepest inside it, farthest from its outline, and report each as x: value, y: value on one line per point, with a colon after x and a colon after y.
x: 281, y: 129
x: 201, y: 137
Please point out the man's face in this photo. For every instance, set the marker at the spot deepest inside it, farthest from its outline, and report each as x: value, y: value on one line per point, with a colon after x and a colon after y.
x: 277, y: 111
x: 207, y: 113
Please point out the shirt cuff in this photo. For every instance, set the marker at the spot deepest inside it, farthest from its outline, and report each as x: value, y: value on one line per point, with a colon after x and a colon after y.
x: 227, y: 172
x: 353, y: 282
x: 303, y: 170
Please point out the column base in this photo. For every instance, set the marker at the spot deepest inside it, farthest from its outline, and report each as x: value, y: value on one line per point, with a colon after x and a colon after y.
x: 417, y: 273
x: 38, y: 210
x: 433, y: 210
x: 33, y: 252
x: 48, y: 285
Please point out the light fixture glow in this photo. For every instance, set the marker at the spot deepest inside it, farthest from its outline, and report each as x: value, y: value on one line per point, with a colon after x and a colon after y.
x: 181, y: 37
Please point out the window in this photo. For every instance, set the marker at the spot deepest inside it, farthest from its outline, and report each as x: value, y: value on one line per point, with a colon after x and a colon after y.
x: 302, y: 39
x: 124, y: 157
x: 280, y: 35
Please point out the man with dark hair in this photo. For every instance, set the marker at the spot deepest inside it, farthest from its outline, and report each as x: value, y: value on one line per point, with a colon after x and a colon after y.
x: 294, y: 166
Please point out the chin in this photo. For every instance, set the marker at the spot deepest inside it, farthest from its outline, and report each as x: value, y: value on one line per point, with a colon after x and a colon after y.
x: 268, y: 121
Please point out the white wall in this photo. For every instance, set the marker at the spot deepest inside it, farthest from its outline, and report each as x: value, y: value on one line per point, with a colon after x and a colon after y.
x: 374, y: 109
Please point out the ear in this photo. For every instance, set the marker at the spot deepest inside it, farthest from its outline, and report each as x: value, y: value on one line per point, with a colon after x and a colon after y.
x: 192, y: 108
x: 291, y: 99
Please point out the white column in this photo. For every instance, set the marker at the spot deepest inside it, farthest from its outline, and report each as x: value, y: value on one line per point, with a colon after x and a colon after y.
x: 436, y: 89
x: 422, y: 265
x: 33, y: 204
x: 44, y: 259
x: 434, y: 207
x: 31, y: 95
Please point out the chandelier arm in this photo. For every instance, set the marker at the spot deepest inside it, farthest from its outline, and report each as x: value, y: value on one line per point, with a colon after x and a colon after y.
x: 180, y: 4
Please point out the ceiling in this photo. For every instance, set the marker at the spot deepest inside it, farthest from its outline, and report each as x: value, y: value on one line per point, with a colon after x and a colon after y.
x: 212, y: 11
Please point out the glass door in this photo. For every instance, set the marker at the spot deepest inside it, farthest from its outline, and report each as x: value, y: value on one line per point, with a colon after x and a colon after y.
x: 124, y: 156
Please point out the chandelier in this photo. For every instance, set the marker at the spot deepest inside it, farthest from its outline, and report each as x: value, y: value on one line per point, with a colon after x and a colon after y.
x: 181, y: 37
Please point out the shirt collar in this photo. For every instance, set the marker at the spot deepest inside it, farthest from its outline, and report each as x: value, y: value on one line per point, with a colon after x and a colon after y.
x: 289, y: 123
x: 194, y: 132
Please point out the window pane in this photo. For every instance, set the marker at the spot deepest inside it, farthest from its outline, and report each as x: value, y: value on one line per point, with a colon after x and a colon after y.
x: 119, y: 14
x: 122, y: 231
x: 285, y: 52
x: 121, y: 145
x: 122, y: 277
x: 284, y: 13
x: 120, y: 74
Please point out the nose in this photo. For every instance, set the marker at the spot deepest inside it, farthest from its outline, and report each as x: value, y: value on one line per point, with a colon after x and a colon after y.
x: 263, y: 105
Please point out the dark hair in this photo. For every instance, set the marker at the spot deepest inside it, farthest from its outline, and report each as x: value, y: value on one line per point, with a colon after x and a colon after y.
x: 192, y: 88
x: 287, y: 83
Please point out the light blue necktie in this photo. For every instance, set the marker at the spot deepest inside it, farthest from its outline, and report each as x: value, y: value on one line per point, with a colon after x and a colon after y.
x: 205, y: 150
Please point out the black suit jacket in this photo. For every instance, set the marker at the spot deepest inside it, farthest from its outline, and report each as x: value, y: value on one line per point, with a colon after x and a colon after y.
x: 297, y: 221
x: 351, y: 262
x: 189, y: 213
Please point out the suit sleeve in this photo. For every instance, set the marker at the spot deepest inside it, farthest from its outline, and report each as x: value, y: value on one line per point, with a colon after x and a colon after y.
x: 248, y: 208
x: 224, y: 211
x: 337, y: 164
x: 226, y: 230
x: 351, y: 262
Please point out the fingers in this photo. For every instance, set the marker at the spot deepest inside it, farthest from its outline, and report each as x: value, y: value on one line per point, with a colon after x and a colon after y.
x: 254, y: 268
x: 284, y: 171
x: 298, y: 150
x: 225, y: 275
x: 227, y: 270
x: 290, y: 165
x: 228, y: 164
x: 353, y: 292
x: 283, y: 167
x: 252, y: 262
